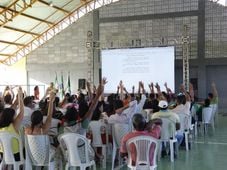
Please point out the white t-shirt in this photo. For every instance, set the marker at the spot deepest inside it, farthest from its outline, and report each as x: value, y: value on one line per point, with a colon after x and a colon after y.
x: 125, y: 116
x: 185, y: 109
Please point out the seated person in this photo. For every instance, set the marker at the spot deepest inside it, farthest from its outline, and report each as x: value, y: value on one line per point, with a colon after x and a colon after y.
x: 37, y: 126
x: 165, y: 113
x: 77, y: 124
x: 139, y: 124
x: 10, y: 122
x: 123, y: 114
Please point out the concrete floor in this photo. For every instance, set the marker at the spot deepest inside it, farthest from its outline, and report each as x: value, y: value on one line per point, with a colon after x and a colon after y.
x: 208, y: 152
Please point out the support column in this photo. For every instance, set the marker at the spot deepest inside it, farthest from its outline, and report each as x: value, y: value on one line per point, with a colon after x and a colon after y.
x: 96, y: 47
x: 201, y: 51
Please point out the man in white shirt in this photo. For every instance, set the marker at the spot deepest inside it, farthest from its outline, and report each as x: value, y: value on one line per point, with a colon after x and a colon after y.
x: 124, y: 113
x: 140, y: 104
x: 183, y: 105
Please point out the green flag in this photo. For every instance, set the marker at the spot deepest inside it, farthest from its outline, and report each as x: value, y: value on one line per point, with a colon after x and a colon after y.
x: 69, y: 84
x: 62, y: 93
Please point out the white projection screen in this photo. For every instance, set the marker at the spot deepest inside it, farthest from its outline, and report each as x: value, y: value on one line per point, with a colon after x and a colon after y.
x: 154, y: 64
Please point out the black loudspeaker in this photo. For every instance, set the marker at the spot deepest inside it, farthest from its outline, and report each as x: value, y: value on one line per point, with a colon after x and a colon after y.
x: 82, y: 83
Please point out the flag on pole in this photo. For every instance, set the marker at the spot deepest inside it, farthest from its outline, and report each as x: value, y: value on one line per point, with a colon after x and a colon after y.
x: 56, y: 81
x: 68, y: 84
x: 62, y: 93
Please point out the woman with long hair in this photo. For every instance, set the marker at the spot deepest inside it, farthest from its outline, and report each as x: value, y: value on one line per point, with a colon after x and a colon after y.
x: 37, y: 126
x: 11, y: 123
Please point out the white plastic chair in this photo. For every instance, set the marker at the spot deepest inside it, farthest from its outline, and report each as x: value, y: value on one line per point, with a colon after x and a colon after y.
x: 168, y: 133
x: 97, y: 128
x: 118, y: 131
x: 8, y: 156
x: 184, y: 127
x: 143, y: 146
x: 215, y: 112
x: 194, y: 114
x: 38, y: 151
x: 208, y: 118
x: 71, y: 142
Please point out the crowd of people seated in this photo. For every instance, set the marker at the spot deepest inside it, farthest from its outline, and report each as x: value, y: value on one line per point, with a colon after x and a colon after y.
x: 74, y: 112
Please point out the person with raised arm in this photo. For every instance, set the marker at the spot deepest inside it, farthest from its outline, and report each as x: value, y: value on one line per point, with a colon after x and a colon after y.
x: 152, y: 101
x: 183, y: 101
x: 90, y: 94
x: 8, y: 96
x: 142, y: 98
x: 127, y: 97
x: 73, y: 123
x: 160, y: 94
x: 168, y: 90
x: 36, y: 93
x: 37, y: 126
x: 170, y: 96
x: 9, y: 91
x: 133, y: 89
x: 213, y: 96
x: 121, y: 90
x: 191, y: 92
x: 10, y: 122
x: 123, y: 114
x: 151, y: 87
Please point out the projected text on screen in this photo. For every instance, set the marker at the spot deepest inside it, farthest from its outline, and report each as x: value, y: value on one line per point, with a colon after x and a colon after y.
x: 139, y: 64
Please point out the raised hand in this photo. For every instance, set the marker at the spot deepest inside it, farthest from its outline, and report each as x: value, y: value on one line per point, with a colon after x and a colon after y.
x: 121, y: 83
x: 88, y: 84
x: 165, y: 84
x: 149, y: 85
x: 157, y: 86
x: 100, y: 89
x: 141, y: 84
x: 20, y: 91
x: 104, y: 81
x: 52, y: 96
x: 133, y: 87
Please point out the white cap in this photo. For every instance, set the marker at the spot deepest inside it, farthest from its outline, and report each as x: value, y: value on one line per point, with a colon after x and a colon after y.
x: 163, y: 104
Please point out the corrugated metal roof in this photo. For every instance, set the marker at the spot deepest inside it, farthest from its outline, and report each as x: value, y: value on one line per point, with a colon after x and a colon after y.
x: 21, y: 21
x: 27, y: 24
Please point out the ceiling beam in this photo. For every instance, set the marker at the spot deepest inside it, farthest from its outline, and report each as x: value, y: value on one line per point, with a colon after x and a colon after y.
x: 11, y: 43
x: 6, y: 55
x: 23, y: 31
x: 32, y: 45
x: 55, y: 7
x: 28, y: 16
x: 20, y: 6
